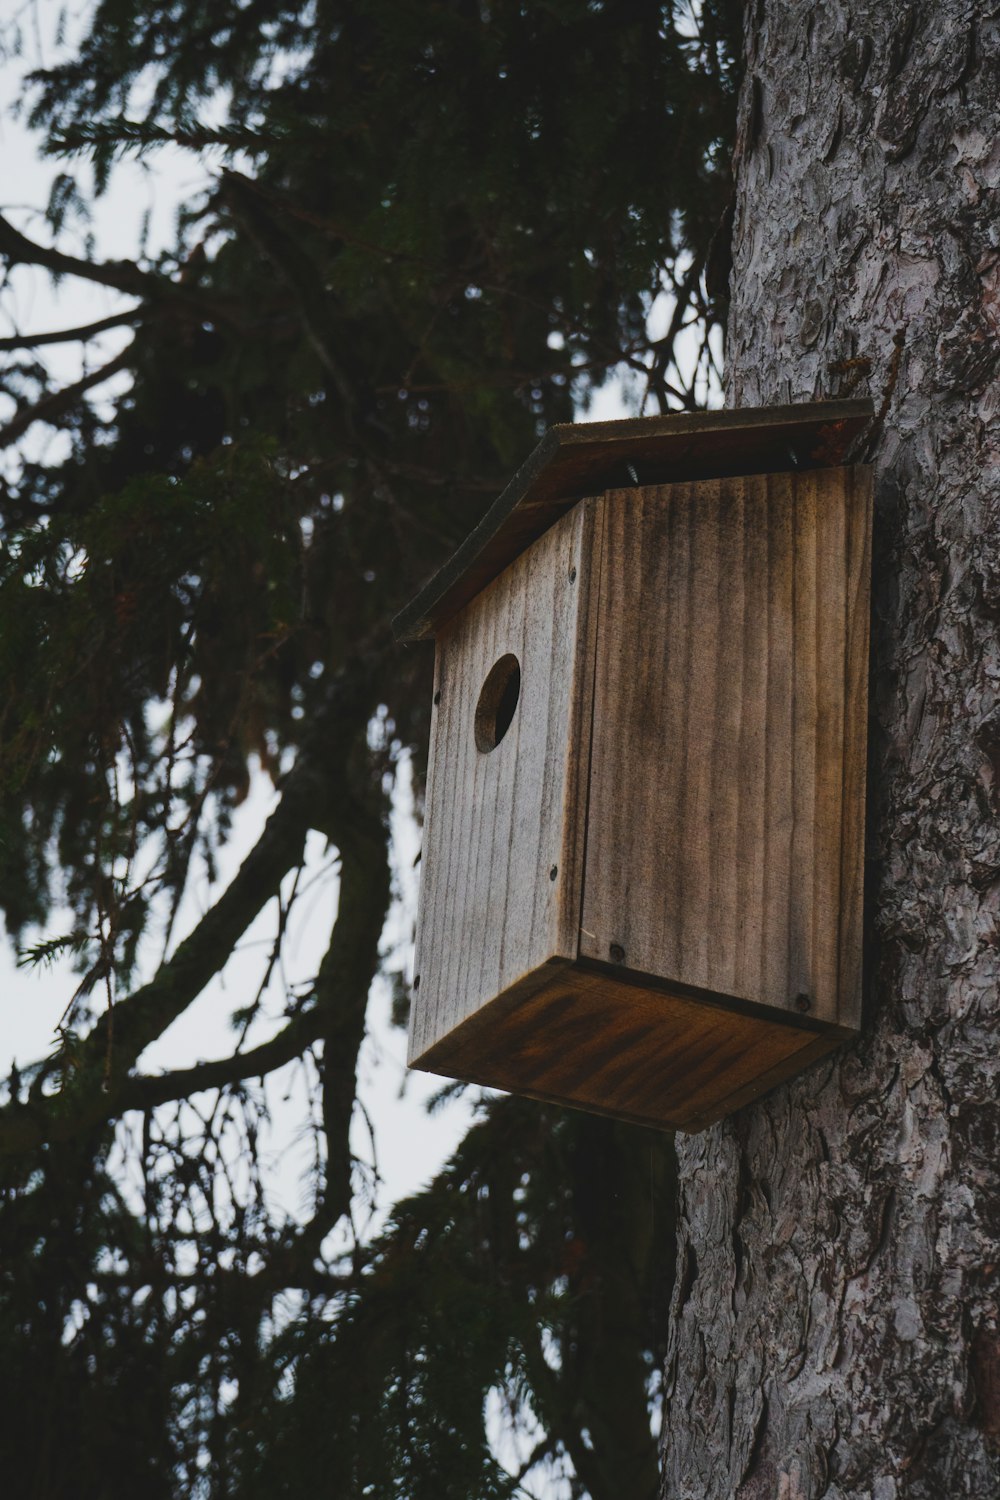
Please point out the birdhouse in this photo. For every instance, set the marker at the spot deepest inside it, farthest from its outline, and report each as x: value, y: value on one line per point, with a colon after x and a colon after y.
x: 641, y: 887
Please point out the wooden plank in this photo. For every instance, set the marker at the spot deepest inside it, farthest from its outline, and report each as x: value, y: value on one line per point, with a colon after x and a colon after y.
x: 814, y: 1046
x: 501, y: 873
x: 721, y: 739
x: 753, y: 752
x: 828, y: 733
x: 580, y: 720
x: 778, y: 729
x: 858, y: 611
x: 575, y: 460
x: 614, y: 1047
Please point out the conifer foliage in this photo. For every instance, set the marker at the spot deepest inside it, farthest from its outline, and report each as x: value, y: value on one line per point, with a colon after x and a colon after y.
x: 430, y: 230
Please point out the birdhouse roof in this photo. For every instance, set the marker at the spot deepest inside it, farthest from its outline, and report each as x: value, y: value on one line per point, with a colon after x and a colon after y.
x: 577, y: 459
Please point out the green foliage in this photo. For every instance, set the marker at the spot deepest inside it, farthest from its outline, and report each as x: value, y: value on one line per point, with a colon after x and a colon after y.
x: 165, y: 615
x: 427, y: 232
x: 71, y: 1422
x: 536, y: 1266
x: 532, y: 1267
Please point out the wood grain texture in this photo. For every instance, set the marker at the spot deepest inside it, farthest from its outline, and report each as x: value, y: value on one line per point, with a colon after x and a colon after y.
x: 504, y: 833
x: 585, y: 458
x: 687, y: 763
x: 858, y: 543
x: 625, y: 1049
x: 726, y: 817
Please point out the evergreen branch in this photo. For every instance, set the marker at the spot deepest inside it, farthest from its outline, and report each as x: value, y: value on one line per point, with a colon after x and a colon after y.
x: 543, y: 1449
x: 71, y: 335
x: 301, y: 276
x: 46, y: 952
x: 507, y: 380
x: 559, y: 1411
x: 123, y: 135
x: 335, y: 228
x: 284, y: 1270
x: 50, y: 408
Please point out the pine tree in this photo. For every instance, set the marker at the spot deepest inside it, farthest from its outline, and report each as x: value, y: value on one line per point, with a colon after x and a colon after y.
x: 431, y: 230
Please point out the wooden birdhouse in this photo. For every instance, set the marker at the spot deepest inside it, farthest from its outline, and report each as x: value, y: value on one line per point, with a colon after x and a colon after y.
x: 641, y: 887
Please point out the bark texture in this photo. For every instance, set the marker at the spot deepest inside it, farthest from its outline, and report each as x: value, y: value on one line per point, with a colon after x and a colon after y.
x: 835, y: 1326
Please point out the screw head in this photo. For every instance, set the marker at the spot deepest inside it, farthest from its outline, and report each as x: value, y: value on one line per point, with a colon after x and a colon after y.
x: 802, y: 1002
x: 617, y: 953
x: 553, y: 872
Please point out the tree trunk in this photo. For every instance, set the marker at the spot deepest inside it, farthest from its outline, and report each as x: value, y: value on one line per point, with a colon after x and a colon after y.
x: 835, y: 1326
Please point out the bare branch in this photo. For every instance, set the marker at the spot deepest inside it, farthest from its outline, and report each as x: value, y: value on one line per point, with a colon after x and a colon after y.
x: 71, y: 335
x: 123, y: 275
x: 344, y: 979
x: 93, y: 1088
x: 55, y: 405
x: 146, y: 1091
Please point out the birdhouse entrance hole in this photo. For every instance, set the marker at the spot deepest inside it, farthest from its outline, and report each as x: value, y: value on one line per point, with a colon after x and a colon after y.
x: 497, y: 703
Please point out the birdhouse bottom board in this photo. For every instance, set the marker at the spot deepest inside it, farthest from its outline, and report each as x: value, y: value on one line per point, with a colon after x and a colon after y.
x: 642, y: 872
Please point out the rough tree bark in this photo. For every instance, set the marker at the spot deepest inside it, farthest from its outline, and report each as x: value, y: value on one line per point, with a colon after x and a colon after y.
x: 836, y: 1312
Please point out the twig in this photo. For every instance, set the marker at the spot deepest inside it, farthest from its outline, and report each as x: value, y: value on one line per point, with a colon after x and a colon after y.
x: 71, y: 335
x: 55, y: 405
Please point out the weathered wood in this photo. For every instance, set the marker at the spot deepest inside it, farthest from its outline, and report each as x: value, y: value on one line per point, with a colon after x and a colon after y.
x: 503, y: 852
x: 647, y: 899
x: 585, y: 458
x: 726, y: 795
x: 642, y: 1053
x: 858, y: 544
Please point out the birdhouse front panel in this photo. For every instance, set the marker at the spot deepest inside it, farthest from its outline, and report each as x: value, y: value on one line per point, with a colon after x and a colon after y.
x: 641, y: 889
x: 501, y: 868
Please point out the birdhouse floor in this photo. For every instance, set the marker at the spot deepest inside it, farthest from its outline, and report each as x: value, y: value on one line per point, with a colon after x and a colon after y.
x: 579, y: 1034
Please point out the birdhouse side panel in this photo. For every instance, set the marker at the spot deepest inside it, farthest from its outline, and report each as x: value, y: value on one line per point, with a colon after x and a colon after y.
x: 501, y: 872
x: 726, y: 805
